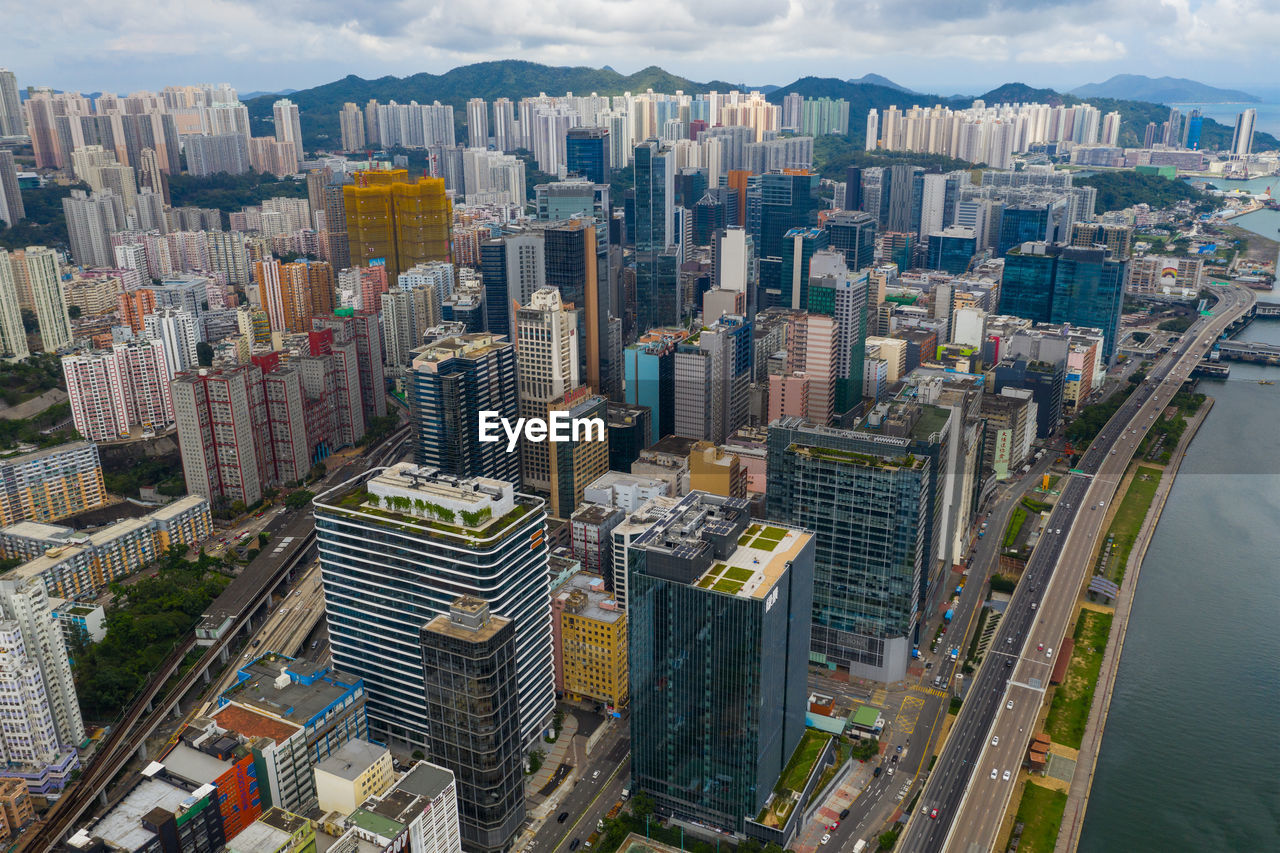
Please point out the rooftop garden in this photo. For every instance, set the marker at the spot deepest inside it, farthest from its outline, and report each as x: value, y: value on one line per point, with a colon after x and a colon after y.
x: 791, y: 784
x: 423, y: 516
x: 868, y: 459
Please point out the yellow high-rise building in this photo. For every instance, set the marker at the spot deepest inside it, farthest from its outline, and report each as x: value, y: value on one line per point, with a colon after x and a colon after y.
x: 589, y: 632
x: 715, y: 470
x: 396, y: 220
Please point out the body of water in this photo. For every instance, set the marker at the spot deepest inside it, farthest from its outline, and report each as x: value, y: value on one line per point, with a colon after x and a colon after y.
x: 1190, y: 757
x: 1268, y: 114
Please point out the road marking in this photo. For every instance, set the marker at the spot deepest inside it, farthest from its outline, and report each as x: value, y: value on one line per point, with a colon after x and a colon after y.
x: 590, y: 805
x: 932, y: 691
x: 1027, y: 686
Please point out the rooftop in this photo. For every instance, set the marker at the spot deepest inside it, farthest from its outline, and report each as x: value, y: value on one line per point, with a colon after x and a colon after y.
x: 476, y: 345
x: 296, y: 701
x: 425, y: 780
x: 122, y: 826
x: 585, y: 595
x: 355, y: 757
x: 448, y: 627
x: 252, y: 724
x: 621, y: 479
x: 192, y: 764
x: 762, y: 555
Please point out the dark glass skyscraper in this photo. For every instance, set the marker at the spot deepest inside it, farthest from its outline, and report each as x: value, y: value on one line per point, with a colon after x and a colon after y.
x: 786, y: 201
x: 718, y: 612
x: 451, y: 382
x: 469, y: 664
x: 854, y: 234
x: 586, y: 153
x: 952, y: 250
x: 1083, y: 286
x: 654, y: 186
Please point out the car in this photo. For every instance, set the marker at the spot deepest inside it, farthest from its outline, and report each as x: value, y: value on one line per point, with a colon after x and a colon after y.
x: 875, y: 774
x: 595, y: 775
x: 1058, y: 532
x: 563, y: 817
x: 1102, y: 503
x: 995, y: 741
x: 899, y: 749
x: 1034, y: 605
x: 1113, y: 453
x: 1048, y: 652
x: 994, y: 773
x: 933, y: 813
x: 825, y: 839
x: 1006, y: 776
x: 1008, y: 662
x: 835, y: 824
x: 1039, y: 647
x: 1009, y: 705
x: 573, y: 845
x: 893, y: 759
x: 844, y: 814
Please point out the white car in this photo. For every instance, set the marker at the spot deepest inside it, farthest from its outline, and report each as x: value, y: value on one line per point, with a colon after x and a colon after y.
x: 1006, y: 776
x: 1009, y: 707
x: 995, y: 741
x: 994, y: 773
x: 825, y: 838
x: 1048, y: 652
x: 596, y: 775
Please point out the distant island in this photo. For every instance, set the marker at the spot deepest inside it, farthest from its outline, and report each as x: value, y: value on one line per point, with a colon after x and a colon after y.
x: 1162, y: 90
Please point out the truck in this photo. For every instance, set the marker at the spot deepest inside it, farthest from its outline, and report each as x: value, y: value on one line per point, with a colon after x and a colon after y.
x: 626, y: 794
x: 859, y: 847
x: 948, y: 615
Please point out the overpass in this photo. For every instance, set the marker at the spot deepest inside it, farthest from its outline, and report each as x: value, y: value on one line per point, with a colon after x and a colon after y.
x: 998, y: 716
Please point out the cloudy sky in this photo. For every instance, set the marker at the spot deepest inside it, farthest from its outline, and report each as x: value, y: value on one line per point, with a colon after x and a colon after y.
x: 943, y: 46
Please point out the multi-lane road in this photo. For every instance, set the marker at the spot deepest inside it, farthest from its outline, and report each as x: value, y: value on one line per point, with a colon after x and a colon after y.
x: 962, y: 806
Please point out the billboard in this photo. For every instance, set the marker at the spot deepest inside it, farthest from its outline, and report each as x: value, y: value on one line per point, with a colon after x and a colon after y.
x: 1000, y: 460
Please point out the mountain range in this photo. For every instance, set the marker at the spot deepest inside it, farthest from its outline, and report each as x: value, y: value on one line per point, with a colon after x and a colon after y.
x: 1162, y: 90
x: 517, y: 79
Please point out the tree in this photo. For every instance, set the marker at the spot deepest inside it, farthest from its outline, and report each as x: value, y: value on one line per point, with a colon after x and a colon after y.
x: 888, y: 839
x: 29, y: 322
x: 642, y: 805
x: 73, y: 311
x: 297, y: 500
x: 204, y: 354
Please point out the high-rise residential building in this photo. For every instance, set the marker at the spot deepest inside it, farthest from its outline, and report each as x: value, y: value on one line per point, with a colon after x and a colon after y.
x: 1066, y: 284
x: 11, y: 207
x: 491, y: 177
x: 112, y: 391
x: 478, y: 123
x: 13, y: 335
x: 51, y: 703
x: 451, y: 382
x: 587, y: 153
x: 471, y: 661
x: 178, y: 332
x: 546, y: 369
x: 224, y: 152
x: 700, y: 608
x: 1242, y: 138
x: 288, y: 126
x: 397, y: 221
x: 362, y: 329
x: 221, y: 433
x: 11, y: 118
x: 46, y: 485
x: 351, y: 127
x: 91, y: 220
x: 506, y: 130
x: 387, y: 550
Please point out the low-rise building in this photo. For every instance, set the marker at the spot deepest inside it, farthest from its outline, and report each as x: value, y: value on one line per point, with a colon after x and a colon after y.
x: 714, y: 470
x: 276, y: 831
x: 79, y: 621
x: 352, y: 774
x: 625, y: 491
x: 590, y: 632
x: 205, y: 756
x: 161, y: 812
x: 419, y: 813
x: 591, y: 536
x: 16, y: 809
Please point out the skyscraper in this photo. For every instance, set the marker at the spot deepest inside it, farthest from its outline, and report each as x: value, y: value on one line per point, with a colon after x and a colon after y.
x: 1083, y: 286
x: 45, y: 287
x: 854, y: 234
x: 351, y: 127
x: 222, y: 434
x: 288, y: 126
x: 397, y: 221
x: 1242, y: 139
x: 477, y: 123
x: 11, y: 207
x: 11, y: 118
x: 178, y: 333
x: 469, y: 659
x: 587, y: 153
x: 868, y: 499
x: 547, y: 369
x: 719, y: 655
x: 951, y: 249
x: 655, y: 199
x: 451, y: 382
x: 91, y: 220
x: 13, y: 336
x: 396, y: 550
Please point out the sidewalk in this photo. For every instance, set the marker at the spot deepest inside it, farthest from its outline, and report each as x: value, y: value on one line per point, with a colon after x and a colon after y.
x: 541, y: 792
x: 1082, y: 780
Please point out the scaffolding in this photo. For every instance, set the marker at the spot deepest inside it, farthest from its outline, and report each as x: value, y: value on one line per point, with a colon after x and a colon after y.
x: 392, y: 218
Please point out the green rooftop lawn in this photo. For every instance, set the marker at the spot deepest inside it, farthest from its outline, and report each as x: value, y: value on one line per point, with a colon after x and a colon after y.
x: 764, y: 544
x: 773, y: 533
x: 727, y: 586
x: 802, y: 761
x: 737, y: 574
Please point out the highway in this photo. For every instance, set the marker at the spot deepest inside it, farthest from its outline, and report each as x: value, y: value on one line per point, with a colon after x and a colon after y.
x: 996, y: 722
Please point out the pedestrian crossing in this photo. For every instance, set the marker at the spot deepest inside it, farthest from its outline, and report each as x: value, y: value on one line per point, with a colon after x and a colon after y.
x: 932, y: 691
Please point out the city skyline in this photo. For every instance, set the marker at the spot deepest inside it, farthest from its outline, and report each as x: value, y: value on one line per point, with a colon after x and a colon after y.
x: 946, y: 50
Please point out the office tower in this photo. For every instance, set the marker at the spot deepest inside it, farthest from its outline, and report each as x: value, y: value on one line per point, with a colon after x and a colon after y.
x: 221, y: 433
x: 952, y: 249
x: 178, y: 333
x: 867, y: 497
x: 854, y: 234
x: 584, y: 457
x: 477, y: 123
x: 401, y: 222
x: 11, y: 118
x: 1066, y: 284
x: 470, y: 659
x: 1242, y: 139
x: 1192, y: 129
x: 45, y: 288
x: 407, y: 312
x: 512, y: 268
x: 451, y: 382
x: 587, y: 153
x: 712, y: 374
x: 546, y: 369
x: 573, y: 265
x: 808, y: 387
x: 386, y: 550
x: 650, y: 373
x: 787, y: 201
x: 11, y: 208
x: 287, y: 125
x: 701, y: 608
x: 845, y: 296
x: 1035, y: 221
x: 799, y: 246
x: 13, y: 336
x: 1118, y: 239
x: 351, y: 127
x: 654, y: 194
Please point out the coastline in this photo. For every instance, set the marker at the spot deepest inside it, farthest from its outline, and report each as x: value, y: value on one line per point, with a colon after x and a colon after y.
x: 1086, y: 762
